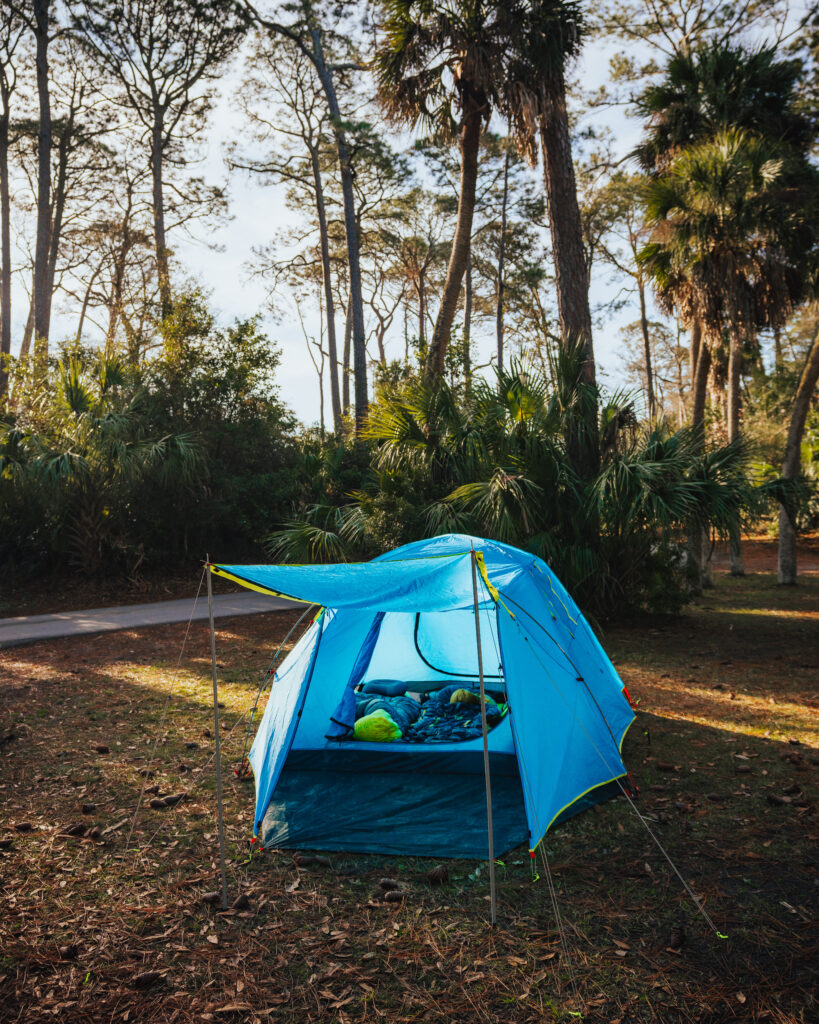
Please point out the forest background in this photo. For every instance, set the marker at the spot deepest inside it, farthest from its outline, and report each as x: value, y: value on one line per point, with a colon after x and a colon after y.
x: 444, y: 214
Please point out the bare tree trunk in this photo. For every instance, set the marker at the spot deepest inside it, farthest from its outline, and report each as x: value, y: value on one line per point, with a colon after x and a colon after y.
x: 84, y: 310
x: 5, y: 246
x: 566, y: 232
x: 41, y: 293
x: 345, y: 368
x: 28, y: 331
x: 350, y: 230
x: 791, y: 464
x: 320, y: 372
x: 734, y: 380
x: 58, y: 205
x: 698, y: 569
x: 734, y: 399
x: 699, y: 380
x: 694, y: 354
x: 468, y: 320
x: 777, y: 335
x: 335, y: 398
x: 158, y: 200
x: 652, y: 400
x: 470, y: 142
x: 501, y: 252
x: 422, y: 313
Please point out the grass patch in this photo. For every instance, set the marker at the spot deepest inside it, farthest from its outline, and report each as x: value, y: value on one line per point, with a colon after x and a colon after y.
x: 727, y: 729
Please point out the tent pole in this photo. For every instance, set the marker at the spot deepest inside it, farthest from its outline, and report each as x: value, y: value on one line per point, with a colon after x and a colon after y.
x: 216, y: 734
x: 485, y: 745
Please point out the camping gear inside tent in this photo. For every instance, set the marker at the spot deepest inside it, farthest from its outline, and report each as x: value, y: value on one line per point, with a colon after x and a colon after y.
x: 373, y: 736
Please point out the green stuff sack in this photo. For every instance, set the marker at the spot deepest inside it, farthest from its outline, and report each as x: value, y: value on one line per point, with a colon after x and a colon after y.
x: 468, y: 697
x: 379, y: 727
x: 464, y: 697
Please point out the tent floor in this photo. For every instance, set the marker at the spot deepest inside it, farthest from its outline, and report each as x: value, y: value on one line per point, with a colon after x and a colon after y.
x: 423, y: 805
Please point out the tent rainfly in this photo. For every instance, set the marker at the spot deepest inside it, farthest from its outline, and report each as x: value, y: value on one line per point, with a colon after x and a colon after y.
x: 487, y: 671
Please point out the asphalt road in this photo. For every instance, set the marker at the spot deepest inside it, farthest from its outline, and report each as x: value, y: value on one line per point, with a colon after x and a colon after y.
x: 31, y: 628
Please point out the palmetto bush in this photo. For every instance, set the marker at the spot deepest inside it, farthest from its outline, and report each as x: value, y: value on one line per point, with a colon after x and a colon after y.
x: 494, y: 463
x: 76, y: 464
x: 107, y: 466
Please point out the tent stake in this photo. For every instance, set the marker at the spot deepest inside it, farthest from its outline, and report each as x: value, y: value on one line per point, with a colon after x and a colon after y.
x: 485, y: 745
x: 216, y: 733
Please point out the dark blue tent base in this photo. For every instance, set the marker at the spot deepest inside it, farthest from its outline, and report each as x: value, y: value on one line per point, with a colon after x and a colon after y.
x: 416, y: 804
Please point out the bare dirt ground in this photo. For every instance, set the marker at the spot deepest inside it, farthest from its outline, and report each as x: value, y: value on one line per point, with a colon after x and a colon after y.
x: 760, y: 554
x: 102, y: 913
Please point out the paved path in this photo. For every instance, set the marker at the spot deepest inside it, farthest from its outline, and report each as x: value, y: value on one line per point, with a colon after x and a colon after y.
x: 30, y: 628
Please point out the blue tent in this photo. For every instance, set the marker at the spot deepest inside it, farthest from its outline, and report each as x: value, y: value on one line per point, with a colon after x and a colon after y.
x: 405, y: 623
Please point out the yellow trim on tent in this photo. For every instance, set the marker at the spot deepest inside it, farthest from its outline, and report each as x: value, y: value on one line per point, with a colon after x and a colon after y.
x: 597, y: 785
x: 217, y: 571
x: 485, y: 576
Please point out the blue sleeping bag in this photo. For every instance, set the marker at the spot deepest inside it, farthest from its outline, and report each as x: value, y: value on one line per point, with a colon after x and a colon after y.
x: 443, y: 722
x: 403, y: 710
x: 436, y: 720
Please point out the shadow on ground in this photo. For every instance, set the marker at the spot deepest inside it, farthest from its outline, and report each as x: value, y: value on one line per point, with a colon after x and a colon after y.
x: 100, y: 929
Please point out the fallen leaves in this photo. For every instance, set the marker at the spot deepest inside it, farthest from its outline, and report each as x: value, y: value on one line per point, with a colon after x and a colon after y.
x: 146, y: 979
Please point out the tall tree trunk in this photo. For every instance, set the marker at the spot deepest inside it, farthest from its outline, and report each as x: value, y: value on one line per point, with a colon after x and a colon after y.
x: 501, y: 253
x: 422, y: 313
x: 468, y: 320
x: 469, y: 145
x: 734, y: 399
x: 320, y: 372
x: 335, y: 397
x: 699, y: 381
x: 734, y: 382
x: 158, y: 201
x: 5, y: 247
x: 698, y: 569
x: 28, y: 330
x: 41, y: 295
x: 566, y: 232
x: 777, y: 336
x: 652, y: 400
x: 350, y: 230
x: 58, y: 205
x: 345, y: 368
x: 693, y: 356
x: 84, y: 310
x: 791, y: 464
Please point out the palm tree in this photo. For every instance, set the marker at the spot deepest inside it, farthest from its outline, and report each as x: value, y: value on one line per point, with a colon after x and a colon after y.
x: 447, y: 64
x: 440, y: 63
x: 711, y: 89
x: 703, y: 92
x: 719, y: 86
x: 723, y: 245
x: 495, y: 462
x: 547, y: 34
